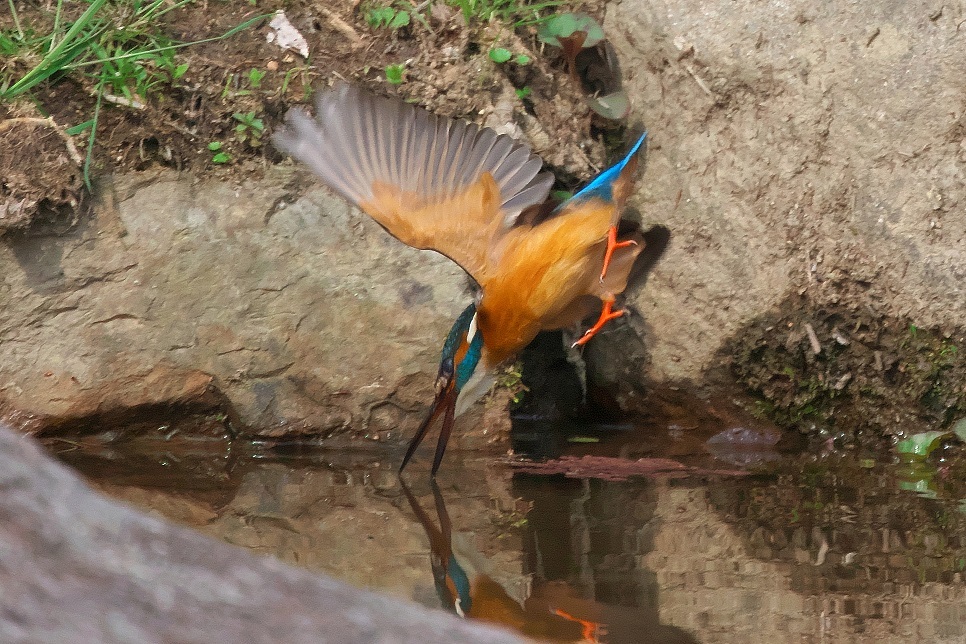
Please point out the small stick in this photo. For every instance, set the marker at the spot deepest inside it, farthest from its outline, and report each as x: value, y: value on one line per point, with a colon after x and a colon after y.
x: 813, y: 339
x: 341, y: 25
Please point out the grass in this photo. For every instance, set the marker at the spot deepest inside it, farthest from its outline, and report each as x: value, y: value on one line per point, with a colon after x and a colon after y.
x: 397, y: 14
x: 386, y: 16
x: 395, y: 74
x: 118, y: 48
x: 249, y: 128
x: 515, y: 13
x: 218, y: 156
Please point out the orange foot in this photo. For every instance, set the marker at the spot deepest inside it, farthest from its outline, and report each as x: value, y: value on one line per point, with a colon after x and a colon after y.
x: 612, y: 245
x: 606, y: 315
x: 590, y: 630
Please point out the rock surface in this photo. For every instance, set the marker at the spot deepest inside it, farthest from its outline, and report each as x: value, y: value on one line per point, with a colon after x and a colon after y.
x: 77, y: 567
x: 303, y: 313
x: 796, y: 150
x: 802, y: 147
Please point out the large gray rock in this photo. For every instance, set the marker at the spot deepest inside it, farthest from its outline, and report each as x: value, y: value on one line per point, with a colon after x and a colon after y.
x: 302, y: 312
x: 795, y: 147
x: 77, y: 567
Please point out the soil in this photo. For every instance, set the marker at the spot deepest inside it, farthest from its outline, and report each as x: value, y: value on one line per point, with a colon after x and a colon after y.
x: 850, y: 373
x: 447, y: 71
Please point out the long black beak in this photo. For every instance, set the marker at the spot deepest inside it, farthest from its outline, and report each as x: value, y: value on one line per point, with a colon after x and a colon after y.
x: 445, y: 404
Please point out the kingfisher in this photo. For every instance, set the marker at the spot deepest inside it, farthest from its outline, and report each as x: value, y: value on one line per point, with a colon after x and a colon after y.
x: 481, y: 199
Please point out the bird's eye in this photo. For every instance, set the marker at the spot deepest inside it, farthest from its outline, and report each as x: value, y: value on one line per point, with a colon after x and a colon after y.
x: 445, y: 375
x: 446, y: 368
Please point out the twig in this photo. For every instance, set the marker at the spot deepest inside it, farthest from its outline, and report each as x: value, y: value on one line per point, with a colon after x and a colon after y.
x: 700, y: 81
x: 813, y: 339
x: 122, y: 100
x: 341, y: 25
x: 49, y: 122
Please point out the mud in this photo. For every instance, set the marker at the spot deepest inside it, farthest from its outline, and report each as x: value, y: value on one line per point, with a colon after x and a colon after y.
x: 41, y: 187
x: 447, y: 70
x: 850, y: 372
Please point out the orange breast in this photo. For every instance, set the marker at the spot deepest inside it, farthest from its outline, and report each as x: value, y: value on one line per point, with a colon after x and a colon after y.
x: 540, y: 271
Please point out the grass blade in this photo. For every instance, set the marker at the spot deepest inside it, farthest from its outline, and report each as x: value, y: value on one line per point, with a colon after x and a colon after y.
x: 72, y: 44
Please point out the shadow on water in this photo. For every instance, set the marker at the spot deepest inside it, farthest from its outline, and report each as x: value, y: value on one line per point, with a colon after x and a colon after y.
x: 805, y: 549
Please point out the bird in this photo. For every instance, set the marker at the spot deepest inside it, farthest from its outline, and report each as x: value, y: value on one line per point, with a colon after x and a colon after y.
x: 481, y: 199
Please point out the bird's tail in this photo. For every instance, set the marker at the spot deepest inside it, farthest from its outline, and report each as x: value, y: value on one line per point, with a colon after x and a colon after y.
x: 616, y: 182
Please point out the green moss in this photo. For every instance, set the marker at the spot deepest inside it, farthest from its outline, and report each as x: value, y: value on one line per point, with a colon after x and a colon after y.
x: 872, y: 374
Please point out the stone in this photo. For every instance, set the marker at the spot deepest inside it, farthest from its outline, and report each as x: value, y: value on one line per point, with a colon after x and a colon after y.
x: 804, y: 147
x: 78, y: 567
x: 795, y: 149
x: 300, y: 313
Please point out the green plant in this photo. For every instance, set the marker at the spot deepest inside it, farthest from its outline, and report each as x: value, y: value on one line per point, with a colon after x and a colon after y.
x: 919, y: 446
x: 523, y: 92
x: 386, y: 17
x: 575, y: 32
x: 395, y: 73
x: 515, y: 13
x: 119, y: 47
x: 111, y: 42
x: 556, y: 29
x: 255, y: 77
x: 511, y: 378
x: 249, y: 129
x: 500, y: 55
x: 218, y: 155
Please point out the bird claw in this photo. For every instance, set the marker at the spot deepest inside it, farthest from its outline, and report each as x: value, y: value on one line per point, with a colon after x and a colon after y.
x: 606, y: 315
x: 612, y: 245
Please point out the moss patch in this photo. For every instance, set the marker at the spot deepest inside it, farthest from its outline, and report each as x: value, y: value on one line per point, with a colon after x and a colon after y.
x: 851, y: 371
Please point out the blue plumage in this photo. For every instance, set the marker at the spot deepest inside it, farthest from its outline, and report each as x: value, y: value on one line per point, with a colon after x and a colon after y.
x: 462, y: 583
x: 466, y: 366
x: 457, y: 332
x: 602, y: 185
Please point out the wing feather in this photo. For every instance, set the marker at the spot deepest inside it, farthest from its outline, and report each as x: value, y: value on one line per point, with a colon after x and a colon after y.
x: 429, y: 171
x: 530, y: 195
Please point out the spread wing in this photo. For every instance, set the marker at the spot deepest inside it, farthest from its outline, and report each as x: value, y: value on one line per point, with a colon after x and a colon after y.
x: 432, y: 182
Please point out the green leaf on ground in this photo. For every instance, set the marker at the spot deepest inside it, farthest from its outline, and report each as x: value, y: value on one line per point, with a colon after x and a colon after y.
x: 920, y: 446
x: 500, y: 55
x: 959, y: 428
x: 566, y: 24
x: 394, y: 74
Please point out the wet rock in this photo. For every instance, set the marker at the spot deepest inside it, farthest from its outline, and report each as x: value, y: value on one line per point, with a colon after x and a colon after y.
x: 812, y: 148
x: 299, y: 313
x: 78, y: 567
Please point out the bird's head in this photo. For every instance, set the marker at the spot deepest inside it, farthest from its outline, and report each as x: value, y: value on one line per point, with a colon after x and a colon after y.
x: 462, y: 378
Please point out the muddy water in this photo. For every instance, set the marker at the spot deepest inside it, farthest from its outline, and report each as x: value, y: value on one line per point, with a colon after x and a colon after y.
x: 804, y: 549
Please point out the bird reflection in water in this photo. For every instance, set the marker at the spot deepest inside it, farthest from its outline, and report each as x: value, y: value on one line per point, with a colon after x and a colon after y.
x: 552, y: 612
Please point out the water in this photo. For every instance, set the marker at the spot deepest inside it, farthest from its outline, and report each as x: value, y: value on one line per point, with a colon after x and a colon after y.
x: 806, y: 549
